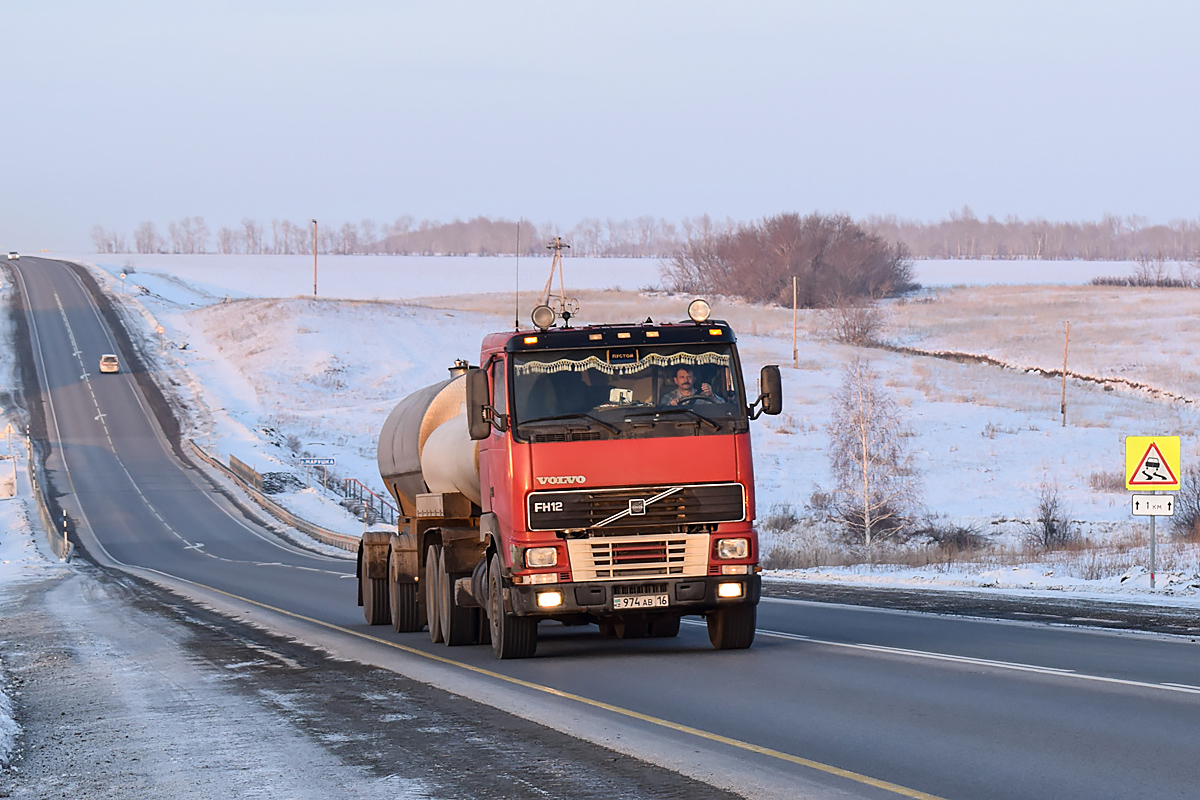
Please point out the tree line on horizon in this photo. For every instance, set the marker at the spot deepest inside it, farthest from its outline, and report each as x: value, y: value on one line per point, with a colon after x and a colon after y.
x: 961, y: 235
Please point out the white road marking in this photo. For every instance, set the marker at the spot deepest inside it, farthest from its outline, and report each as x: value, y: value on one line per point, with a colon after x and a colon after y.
x: 1011, y: 666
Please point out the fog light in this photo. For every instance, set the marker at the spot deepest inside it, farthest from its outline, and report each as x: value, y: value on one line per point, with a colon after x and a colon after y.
x: 735, y: 569
x: 541, y: 557
x: 544, y: 577
x: 723, y: 590
x: 549, y: 599
x: 733, y: 548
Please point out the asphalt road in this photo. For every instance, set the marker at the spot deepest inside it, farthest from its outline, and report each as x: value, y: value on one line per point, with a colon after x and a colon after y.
x: 832, y: 700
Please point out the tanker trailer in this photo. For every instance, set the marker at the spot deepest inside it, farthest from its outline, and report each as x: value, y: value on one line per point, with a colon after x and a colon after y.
x: 429, y: 464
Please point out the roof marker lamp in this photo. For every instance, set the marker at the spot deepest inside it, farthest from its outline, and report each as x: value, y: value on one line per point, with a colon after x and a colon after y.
x: 699, y: 311
x: 543, y: 317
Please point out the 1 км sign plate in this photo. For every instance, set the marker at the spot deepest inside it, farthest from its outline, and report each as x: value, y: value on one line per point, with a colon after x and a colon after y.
x: 1153, y: 505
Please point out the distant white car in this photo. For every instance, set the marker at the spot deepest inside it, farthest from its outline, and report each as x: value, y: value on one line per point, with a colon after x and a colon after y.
x: 12, y: 256
x: 110, y: 363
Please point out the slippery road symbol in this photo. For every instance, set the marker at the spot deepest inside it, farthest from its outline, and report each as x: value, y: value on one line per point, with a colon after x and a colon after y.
x: 1153, y: 470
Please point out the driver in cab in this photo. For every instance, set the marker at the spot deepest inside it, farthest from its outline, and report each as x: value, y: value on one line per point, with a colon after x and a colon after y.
x: 685, y: 390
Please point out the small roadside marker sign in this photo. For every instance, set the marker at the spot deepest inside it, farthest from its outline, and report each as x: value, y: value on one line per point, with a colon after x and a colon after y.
x: 1153, y: 505
x: 1152, y: 462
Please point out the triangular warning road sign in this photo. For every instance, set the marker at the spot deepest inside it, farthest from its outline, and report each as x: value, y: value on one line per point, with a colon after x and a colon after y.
x: 1152, y: 469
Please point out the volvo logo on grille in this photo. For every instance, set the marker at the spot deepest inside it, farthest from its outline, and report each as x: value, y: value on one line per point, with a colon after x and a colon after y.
x: 560, y: 479
x: 637, y: 507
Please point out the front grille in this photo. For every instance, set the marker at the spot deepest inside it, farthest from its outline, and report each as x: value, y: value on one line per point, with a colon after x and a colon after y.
x: 624, y: 557
x: 614, y: 509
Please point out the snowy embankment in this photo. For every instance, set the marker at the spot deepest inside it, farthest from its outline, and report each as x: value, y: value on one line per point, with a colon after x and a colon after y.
x: 24, y: 553
x: 269, y: 377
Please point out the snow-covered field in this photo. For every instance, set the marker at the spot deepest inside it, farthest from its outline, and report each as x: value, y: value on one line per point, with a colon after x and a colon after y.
x: 270, y: 373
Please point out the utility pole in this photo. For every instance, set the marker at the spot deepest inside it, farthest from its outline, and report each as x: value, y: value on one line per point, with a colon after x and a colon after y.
x: 314, y: 222
x: 795, y: 354
x: 1067, y: 341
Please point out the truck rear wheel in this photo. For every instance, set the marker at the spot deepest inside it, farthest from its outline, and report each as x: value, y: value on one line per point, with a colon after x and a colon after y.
x: 375, y: 600
x: 732, y: 627
x: 458, y: 623
x: 512, y: 636
x: 405, y: 612
x: 433, y: 592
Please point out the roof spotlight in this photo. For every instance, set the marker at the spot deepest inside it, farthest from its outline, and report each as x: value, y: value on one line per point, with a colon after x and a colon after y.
x: 543, y: 317
x: 699, y: 310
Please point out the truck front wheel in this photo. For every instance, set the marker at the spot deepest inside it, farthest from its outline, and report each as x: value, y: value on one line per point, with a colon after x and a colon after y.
x: 732, y: 627
x: 512, y: 636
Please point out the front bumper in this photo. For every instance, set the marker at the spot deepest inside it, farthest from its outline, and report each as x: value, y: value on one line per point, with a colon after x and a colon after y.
x: 684, y: 596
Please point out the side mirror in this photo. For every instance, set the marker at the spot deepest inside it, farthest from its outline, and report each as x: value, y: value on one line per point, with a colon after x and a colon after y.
x: 478, y: 424
x: 770, y: 398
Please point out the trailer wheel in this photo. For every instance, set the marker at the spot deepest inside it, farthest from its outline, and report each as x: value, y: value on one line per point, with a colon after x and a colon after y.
x: 458, y: 623
x: 512, y: 636
x: 664, y: 627
x: 732, y: 627
x: 375, y: 600
x: 433, y: 592
x: 405, y: 611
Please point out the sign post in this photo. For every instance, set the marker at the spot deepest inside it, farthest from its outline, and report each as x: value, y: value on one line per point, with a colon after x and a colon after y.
x: 1153, y: 462
x: 323, y: 463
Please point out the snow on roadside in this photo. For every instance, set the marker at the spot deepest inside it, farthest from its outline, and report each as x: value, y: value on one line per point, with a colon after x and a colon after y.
x: 271, y: 377
x: 21, y: 558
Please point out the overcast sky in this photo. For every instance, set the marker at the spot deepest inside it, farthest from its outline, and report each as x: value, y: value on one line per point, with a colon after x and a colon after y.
x: 121, y: 111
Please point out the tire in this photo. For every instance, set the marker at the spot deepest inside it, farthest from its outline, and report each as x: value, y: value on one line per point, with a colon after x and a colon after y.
x: 458, y: 623
x: 433, y: 592
x: 512, y: 636
x: 406, y: 611
x: 732, y: 627
x: 375, y: 599
x: 631, y: 628
x: 664, y: 627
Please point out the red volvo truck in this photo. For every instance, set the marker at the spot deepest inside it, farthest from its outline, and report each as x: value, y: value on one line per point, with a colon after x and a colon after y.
x: 598, y: 474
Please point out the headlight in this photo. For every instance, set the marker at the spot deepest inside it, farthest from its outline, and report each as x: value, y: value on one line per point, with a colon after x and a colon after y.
x: 729, y: 590
x: 733, y: 548
x: 541, y: 557
x: 549, y: 599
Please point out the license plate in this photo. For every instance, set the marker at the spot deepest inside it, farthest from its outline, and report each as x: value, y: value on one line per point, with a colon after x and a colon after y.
x: 640, y: 601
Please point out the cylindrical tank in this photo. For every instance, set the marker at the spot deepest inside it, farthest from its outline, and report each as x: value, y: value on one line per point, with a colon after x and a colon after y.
x: 424, y: 446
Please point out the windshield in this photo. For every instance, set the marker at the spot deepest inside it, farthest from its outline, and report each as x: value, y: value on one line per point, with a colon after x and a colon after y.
x: 670, y: 390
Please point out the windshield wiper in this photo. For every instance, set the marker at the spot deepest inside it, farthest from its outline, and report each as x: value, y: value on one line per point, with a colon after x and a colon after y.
x: 560, y: 417
x: 675, y: 410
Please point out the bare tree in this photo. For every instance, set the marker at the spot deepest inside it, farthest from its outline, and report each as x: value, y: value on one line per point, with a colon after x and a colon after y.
x: 855, y: 321
x: 876, y: 490
x: 1186, y: 520
x: 146, y: 238
x: 252, y: 235
x: 827, y: 256
x: 1053, y: 527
